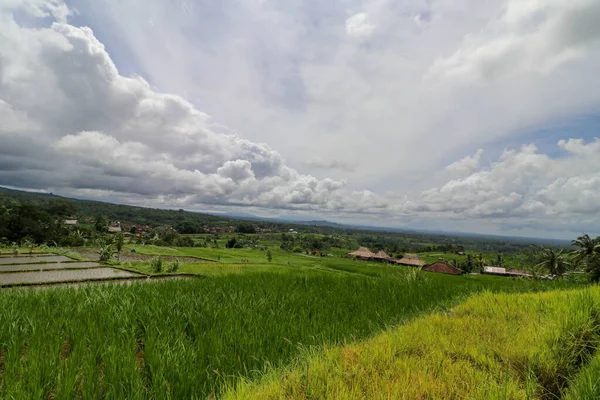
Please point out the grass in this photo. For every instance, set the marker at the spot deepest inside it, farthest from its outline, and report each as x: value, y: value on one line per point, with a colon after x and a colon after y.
x: 495, y: 346
x: 192, y: 338
x: 586, y: 385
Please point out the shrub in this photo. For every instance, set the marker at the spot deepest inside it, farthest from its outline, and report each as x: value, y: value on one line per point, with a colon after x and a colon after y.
x: 174, y: 266
x: 106, y: 251
x: 156, y: 264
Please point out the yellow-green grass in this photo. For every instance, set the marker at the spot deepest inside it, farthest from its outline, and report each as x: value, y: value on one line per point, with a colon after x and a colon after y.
x: 495, y: 346
x: 586, y: 385
x: 190, y: 338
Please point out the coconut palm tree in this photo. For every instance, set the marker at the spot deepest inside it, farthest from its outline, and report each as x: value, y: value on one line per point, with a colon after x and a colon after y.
x: 586, y: 248
x: 554, y: 262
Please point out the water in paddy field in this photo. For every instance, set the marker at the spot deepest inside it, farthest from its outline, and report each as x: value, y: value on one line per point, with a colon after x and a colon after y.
x: 49, y: 266
x: 52, y: 276
x: 31, y: 260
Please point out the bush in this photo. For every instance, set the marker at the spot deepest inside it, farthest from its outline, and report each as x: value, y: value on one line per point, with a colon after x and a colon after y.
x: 174, y: 266
x: 156, y: 264
x: 185, y: 242
x: 106, y: 251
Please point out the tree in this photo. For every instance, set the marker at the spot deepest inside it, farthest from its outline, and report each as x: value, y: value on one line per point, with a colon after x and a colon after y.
x: 119, y: 240
x: 101, y: 223
x: 106, y: 251
x: 586, y: 248
x: 269, y: 256
x: 499, y: 261
x: 246, y: 228
x: 554, y: 262
x: 231, y: 243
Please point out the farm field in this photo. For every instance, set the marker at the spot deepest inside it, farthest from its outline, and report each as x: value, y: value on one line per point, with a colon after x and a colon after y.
x: 34, y: 259
x: 494, y: 346
x: 194, y: 338
x: 63, y: 275
x: 46, y: 266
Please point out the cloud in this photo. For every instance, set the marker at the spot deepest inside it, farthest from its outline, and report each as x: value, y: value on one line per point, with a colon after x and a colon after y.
x: 525, y: 184
x: 358, y: 25
x: 530, y: 36
x: 362, y: 128
x: 89, y: 128
x: 330, y: 165
x: 469, y: 164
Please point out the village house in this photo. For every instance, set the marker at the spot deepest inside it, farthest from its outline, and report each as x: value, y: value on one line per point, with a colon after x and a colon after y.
x: 442, y: 268
x: 115, y: 227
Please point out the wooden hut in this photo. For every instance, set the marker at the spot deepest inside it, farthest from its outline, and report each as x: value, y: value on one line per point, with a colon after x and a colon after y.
x: 362, y: 254
x: 442, y: 268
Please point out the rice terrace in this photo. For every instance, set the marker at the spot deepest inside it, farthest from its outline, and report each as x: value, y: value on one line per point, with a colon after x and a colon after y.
x: 299, y: 200
x: 270, y: 310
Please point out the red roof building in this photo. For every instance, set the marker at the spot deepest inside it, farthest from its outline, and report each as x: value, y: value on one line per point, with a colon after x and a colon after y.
x: 442, y: 268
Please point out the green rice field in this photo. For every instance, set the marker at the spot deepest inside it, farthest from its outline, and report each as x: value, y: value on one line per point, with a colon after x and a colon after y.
x: 196, y: 338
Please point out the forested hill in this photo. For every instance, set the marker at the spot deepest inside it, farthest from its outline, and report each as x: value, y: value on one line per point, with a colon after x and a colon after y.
x: 83, y: 209
x: 21, y: 214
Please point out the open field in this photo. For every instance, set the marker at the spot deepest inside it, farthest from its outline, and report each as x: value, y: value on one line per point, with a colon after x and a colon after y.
x: 191, y: 338
x: 495, y: 346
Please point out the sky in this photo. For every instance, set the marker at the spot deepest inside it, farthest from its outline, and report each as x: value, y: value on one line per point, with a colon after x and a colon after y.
x: 474, y: 115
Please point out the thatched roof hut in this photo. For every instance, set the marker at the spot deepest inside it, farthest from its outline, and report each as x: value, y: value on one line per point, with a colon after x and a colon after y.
x: 411, y: 260
x: 382, y: 256
x: 442, y: 268
x: 363, y: 253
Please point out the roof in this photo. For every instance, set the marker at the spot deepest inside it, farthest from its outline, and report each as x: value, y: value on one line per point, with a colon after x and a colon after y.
x: 503, y: 271
x: 114, y: 229
x: 443, y: 268
x: 415, y: 262
x: 382, y: 255
x: 362, y: 252
x: 494, y: 270
x: 70, y: 222
x: 410, y: 256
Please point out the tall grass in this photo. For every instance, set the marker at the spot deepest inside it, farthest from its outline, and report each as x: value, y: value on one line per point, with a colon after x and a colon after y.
x: 187, y: 339
x: 495, y: 346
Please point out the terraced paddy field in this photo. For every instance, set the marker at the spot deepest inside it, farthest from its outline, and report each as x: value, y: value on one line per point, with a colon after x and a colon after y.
x: 199, y: 338
x: 47, y: 266
x: 33, y: 259
x: 63, y: 275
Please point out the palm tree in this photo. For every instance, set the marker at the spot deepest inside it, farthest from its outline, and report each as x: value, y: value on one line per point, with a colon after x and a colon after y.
x: 554, y: 262
x: 586, y: 247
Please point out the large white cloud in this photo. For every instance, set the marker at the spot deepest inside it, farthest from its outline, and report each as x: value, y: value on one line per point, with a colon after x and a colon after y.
x: 63, y: 98
x: 370, y: 122
x: 526, y: 184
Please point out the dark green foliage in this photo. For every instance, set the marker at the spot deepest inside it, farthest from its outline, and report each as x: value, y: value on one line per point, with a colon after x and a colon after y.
x: 185, y: 241
x: 246, y: 228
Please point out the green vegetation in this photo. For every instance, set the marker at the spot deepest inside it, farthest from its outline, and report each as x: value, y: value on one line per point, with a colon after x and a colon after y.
x: 276, y: 312
x: 495, y: 346
x: 186, y: 339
